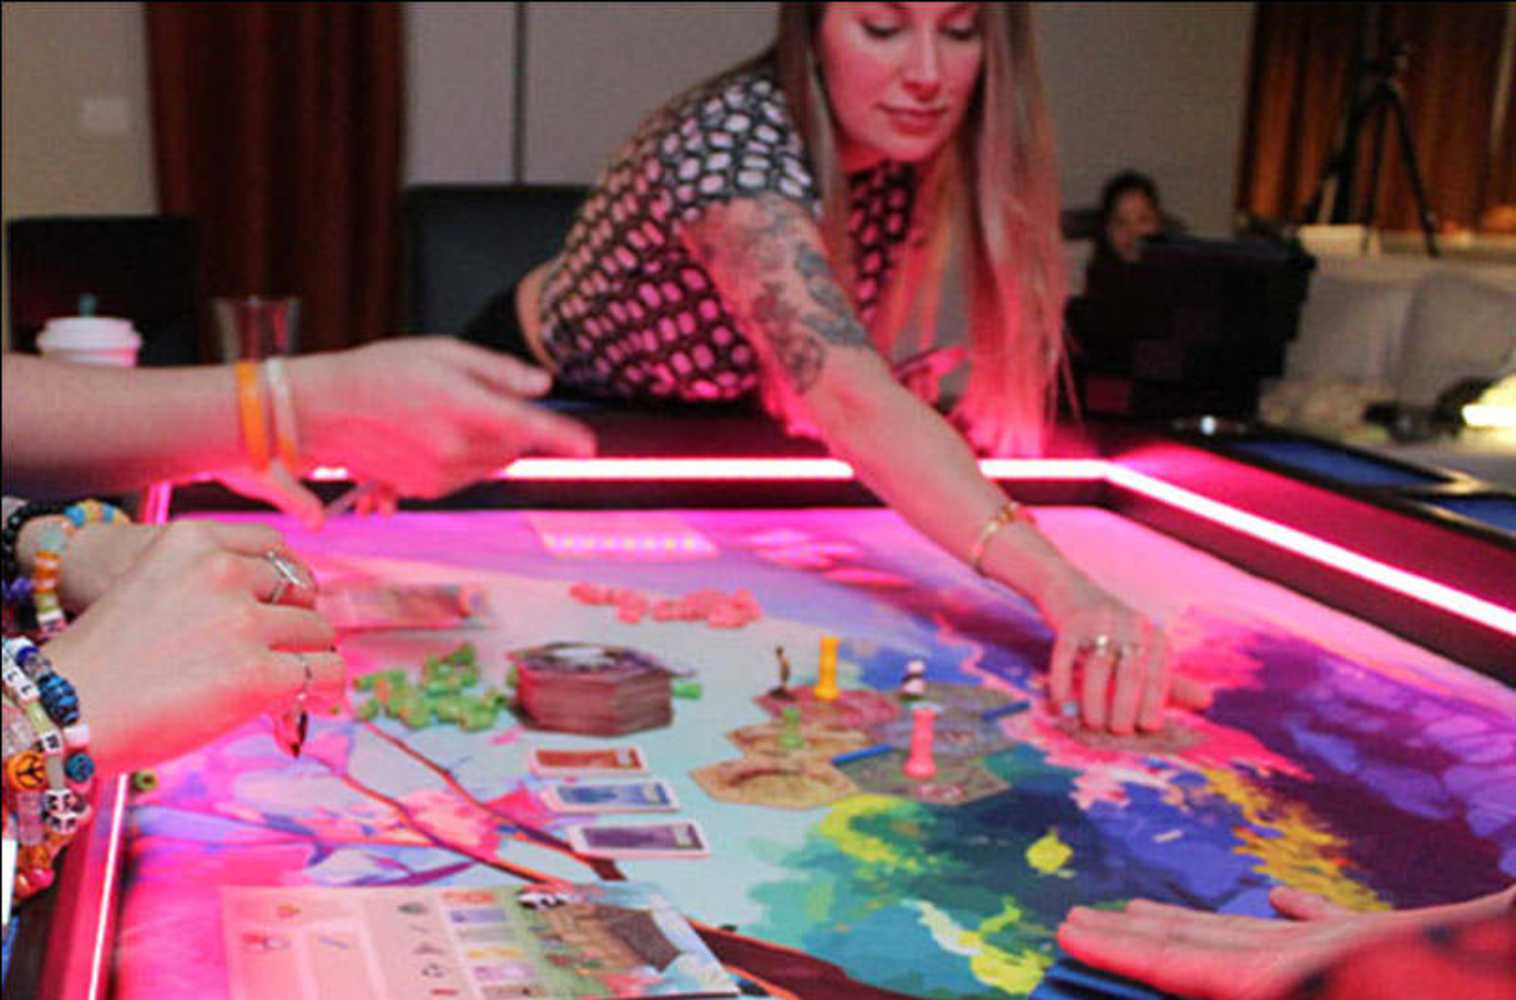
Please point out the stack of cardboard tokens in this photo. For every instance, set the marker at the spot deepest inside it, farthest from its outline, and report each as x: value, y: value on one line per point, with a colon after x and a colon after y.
x: 593, y: 689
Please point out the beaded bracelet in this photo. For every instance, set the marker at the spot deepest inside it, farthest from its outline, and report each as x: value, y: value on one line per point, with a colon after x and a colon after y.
x: 11, y: 533
x: 47, y: 562
x: 47, y: 771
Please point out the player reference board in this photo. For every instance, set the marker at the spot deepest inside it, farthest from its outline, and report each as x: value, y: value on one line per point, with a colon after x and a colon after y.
x: 616, y: 939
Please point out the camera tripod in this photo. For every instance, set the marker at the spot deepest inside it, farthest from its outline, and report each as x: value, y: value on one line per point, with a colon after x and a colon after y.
x: 1383, y: 99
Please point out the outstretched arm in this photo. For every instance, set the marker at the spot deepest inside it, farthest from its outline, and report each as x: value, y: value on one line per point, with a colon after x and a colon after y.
x: 424, y: 414
x: 767, y: 257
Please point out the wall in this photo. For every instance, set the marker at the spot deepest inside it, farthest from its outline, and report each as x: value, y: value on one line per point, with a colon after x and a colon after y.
x: 75, y: 134
x: 1161, y: 87
x: 460, y: 91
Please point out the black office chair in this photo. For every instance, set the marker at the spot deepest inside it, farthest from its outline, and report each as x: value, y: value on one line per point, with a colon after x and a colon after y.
x: 467, y: 243
x: 140, y: 267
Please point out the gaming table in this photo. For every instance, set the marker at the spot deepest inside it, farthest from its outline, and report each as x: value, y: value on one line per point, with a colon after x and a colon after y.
x: 1361, y: 743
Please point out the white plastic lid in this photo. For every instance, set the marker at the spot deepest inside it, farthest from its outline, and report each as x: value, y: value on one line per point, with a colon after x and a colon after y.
x: 88, y: 333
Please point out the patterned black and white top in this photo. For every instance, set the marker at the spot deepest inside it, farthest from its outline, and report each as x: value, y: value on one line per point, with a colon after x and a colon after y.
x: 627, y: 311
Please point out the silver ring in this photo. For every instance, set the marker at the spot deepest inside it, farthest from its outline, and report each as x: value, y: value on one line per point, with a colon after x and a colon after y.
x: 292, y: 724
x: 305, y: 683
x: 1097, y: 645
x: 292, y: 575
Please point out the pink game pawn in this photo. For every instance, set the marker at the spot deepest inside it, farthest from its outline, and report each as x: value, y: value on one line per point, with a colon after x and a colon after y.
x: 919, y: 764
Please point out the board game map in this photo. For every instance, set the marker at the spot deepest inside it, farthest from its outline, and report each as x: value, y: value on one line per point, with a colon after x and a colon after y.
x: 1335, y: 757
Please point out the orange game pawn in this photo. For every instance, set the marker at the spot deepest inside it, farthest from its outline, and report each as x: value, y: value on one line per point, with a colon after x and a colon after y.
x: 826, y: 671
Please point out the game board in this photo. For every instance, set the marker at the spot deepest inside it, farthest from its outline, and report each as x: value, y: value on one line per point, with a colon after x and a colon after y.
x: 1335, y: 758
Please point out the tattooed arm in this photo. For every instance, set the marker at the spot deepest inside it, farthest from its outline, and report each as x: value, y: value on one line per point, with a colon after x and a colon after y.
x: 767, y: 258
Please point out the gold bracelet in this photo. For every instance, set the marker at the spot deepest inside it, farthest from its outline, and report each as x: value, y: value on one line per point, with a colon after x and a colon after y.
x: 1009, y: 513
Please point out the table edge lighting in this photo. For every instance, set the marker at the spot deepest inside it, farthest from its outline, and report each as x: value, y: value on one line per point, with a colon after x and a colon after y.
x: 746, y: 469
x: 1282, y: 536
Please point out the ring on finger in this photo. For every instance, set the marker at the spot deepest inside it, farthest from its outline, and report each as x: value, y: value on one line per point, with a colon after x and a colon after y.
x: 291, y: 576
x: 291, y: 725
x: 1097, y: 645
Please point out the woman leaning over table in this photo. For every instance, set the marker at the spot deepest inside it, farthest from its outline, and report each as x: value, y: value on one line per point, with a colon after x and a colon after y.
x: 774, y: 230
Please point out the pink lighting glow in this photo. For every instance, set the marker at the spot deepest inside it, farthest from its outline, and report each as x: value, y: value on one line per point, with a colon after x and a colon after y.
x: 107, y: 893
x: 1292, y: 540
x: 1093, y: 470
x: 744, y: 469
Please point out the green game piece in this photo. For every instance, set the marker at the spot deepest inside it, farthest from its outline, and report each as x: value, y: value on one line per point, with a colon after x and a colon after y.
x: 450, y: 709
x: 365, y: 683
x: 367, y: 711
x: 468, y: 675
x: 417, y: 716
x: 464, y: 655
x: 790, y: 737
x: 144, y: 781
x: 477, y: 720
x: 688, y: 689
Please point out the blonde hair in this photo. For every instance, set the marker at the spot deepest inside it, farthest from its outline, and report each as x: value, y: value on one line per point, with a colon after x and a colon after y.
x: 994, y: 188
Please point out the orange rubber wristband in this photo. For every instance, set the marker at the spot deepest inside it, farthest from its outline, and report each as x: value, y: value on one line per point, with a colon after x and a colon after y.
x: 250, y: 408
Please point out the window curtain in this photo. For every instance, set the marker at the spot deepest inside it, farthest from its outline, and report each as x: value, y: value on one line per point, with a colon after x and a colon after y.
x: 1303, y: 61
x: 277, y: 126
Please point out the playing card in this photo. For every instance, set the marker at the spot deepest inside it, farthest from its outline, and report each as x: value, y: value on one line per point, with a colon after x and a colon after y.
x: 681, y: 839
x: 625, y: 759
x: 592, y: 797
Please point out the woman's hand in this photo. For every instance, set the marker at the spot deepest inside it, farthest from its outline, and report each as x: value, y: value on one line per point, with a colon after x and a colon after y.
x: 1214, y: 957
x: 1110, y: 664
x: 184, y: 646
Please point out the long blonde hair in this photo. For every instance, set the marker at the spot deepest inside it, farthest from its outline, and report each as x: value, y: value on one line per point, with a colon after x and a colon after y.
x: 996, y: 189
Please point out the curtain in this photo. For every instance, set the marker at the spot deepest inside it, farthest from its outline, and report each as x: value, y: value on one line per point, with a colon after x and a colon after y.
x: 1303, y: 61
x: 277, y: 126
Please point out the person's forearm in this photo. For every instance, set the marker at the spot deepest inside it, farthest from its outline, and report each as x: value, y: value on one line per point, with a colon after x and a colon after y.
x: 918, y: 464
x: 76, y: 429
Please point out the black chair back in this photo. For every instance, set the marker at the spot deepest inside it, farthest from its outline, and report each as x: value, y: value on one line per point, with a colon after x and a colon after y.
x: 467, y: 243
x: 139, y: 267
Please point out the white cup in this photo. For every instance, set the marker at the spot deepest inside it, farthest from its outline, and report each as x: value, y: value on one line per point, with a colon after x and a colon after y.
x: 90, y: 340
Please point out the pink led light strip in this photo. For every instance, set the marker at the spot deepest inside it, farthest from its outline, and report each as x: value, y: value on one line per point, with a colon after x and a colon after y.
x: 743, y: 469
x: 1293, y: 540
x: 107, y: 892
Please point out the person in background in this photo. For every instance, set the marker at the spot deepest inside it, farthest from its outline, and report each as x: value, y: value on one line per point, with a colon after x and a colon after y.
x: 777, y: 230
x: 1129, y: 211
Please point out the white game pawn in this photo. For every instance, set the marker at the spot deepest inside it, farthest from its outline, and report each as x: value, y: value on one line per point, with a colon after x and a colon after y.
x: 913, y: 685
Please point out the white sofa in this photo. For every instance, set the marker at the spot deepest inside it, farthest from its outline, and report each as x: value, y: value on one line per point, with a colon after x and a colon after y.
x: 1402, y: 329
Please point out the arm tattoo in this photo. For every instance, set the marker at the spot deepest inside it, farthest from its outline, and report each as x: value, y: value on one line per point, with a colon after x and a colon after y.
x: 836, y: 323
x: 799, y: 355
x: 759, y: 252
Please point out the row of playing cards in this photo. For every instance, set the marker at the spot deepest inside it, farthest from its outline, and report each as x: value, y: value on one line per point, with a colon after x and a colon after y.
x: 670, y: 839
